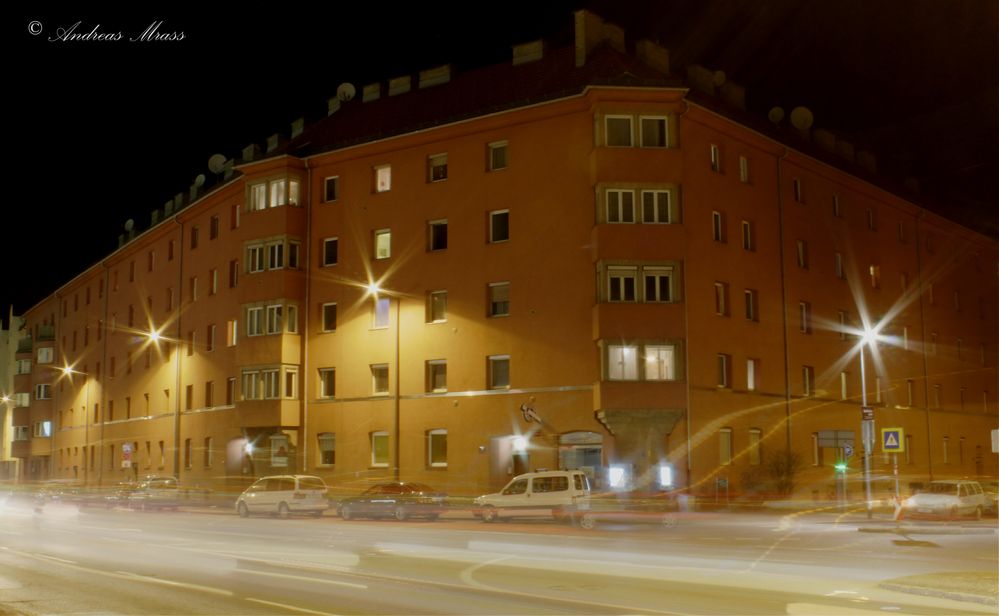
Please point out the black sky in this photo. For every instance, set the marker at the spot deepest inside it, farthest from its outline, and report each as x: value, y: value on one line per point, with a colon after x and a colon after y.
x: 104, y: 131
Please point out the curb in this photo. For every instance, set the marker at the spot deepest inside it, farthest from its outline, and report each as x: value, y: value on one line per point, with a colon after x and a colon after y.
x: 943, y: 594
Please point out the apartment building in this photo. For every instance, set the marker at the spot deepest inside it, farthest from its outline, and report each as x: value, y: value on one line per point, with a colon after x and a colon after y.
x: 572, y: 260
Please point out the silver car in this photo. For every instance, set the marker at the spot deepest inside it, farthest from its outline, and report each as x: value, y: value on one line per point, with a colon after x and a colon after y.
x: 283, y: 495
x: 947, y: 498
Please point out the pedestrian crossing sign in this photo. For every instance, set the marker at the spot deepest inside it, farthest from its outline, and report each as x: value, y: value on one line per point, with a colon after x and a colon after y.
x: 893, y: 440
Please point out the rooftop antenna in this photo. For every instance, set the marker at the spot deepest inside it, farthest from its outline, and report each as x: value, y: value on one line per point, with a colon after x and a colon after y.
x: 776, y: 115
x: 216, y: 164
x: 200, y: 180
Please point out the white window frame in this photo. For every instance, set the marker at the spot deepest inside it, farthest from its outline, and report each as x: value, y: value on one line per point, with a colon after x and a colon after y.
x: 434, y: 367
x: 254, y: 258
x: 326, y: 242
x: 659, y: 362
x: 723, y: 365
x: 431, y: 318
x: 251, y: 383
x: 616, y: 277
x: 255, y: 321
x: 752, y: 373
x: 322, y: 316
x: 493, y: 239
x: 333, y: 180
x: 275, y: 255
x: 383, y: 178
x: 274, y: 322
x: 381, y: 315
x: 324, y: 392
x: 653, y: 118
x: 436, y: 162
x: 430, y: 448
x: 289, y: 383
x: 492, y: 148
x: 623, y: 362
x: 625, y: 214
x: 497, y: 306
x: 718, y: 226
x: 744, y: 170
x: 657, y: 273
x: 377, y: 369
x: 43, y: 391
x: 291, y: 318
x: 491, y: 362
x: 431, y: 226
x: 380, y: 434
x: 715, y: 158
x: 329, y: 439
x: 657, y: 207
x: 383, y: 244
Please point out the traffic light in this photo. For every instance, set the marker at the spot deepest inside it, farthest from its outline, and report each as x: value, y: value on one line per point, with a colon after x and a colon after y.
x: 840, y: 467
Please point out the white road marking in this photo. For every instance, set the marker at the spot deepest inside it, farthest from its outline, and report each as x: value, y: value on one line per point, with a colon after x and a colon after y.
x: 288, y: 607
x: 155, y: 580
x: 305, y: 578
x: 56, y: 559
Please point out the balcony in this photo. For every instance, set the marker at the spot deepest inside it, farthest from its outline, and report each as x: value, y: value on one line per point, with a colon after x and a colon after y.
x: 24, y: 345
x: 46, y: 332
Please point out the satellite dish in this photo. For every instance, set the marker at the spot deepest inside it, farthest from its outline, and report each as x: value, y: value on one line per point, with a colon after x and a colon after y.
x: 346, y: 91
x: 200, y: 180
x: 719, y: 78
x: 801, y: 118
x: 129, y: 224
x: 776, y: 115
x: 216, y: 164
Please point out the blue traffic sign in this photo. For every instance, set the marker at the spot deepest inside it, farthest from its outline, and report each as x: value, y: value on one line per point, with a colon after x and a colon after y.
x: 893, y: 440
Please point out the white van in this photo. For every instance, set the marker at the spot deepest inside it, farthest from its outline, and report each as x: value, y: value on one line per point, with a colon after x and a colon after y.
x: 283, y: 495
x: 554, y: 494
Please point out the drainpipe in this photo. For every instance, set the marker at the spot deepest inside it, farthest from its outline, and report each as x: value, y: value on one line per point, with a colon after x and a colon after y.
x: 104, y: 359
x: 783, y: 300
x: 176, y: 350
x: 922, y: 334
x: 686, y: 332
x: 306, y: 310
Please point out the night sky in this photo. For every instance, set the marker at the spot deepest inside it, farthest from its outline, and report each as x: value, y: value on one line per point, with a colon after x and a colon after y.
x: 105, y: 131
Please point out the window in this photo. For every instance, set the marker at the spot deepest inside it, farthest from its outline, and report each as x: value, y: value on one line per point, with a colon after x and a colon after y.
x: 499, y: 299
x: 499, y: 226
x: 331, y: 189
x: 620, y: 206
x: 436, y: 375
x: 231, y: 332
x: 383, y: 244
x: 234, y: 216
x: 843, y: 323
x: 131, y: 276
x: 796, y: 187
x: 840, y: 272
x: 190, y: 343
x: 724, y: 366
x: 43, y: 429
x: 437, y: 448
x: 497, y: 155
x: 653, y: 131
x: 208, y: 452
x: 254, y: 321
x: 875, y: 272
x: 805, y: 317
x: 802, y: 254
x: 258, y: 196
x: 330, y: 250
x: 436, y: 235
x: 194, y: 237
x: 936, y: 395
x: 721, y: 299
x: 381, y: 313
x: 275, y: 255
x: 213, y: 281
x: 622, y: 362
x: 210, y: 338
x: 150, y: 261
x: 379, y: 379
x: 274, y: 319
x: 23, y: 366
x: 43, y: 391
x: 187, y: 453
x: 329, y: 317
x: 277, y: 192
x: 743, y: 170
x: 660, y: 362
x: 808, y: 380
x: 618, y: 131
x: 379, y: 449
x: 437, y: 307
x: 327, y: 448
x: 45, y: 355
x: 272, y: 384
x: 189, y: 397
x: 437, y: 167
x: 748, y: 241
x: 870, y: 220
x: 327, y: 382
x: 655, y: 207
x: 213, y: 228
x: 209, y: 394
x: 658, y: 283
x: 755, y: 435
x: 752, y: 374
x: 255, y: 258
x: 291, y: 382
x: 837, y: 212
x: 715, y: 154
x: 383, y: 178
x: 877, y: 390
x: 946, y: 442
x: 725, y: 446
x: 622, y: 283
x: 499, y: 371
x: 233, y: 273
x: 718, y: 227
x: 909, y: 390
x: 750, y: 297
x: 844, y: 390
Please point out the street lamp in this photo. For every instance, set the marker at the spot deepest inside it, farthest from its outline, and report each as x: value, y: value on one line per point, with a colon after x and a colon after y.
x: 869, y: 336
x: 374, y: 289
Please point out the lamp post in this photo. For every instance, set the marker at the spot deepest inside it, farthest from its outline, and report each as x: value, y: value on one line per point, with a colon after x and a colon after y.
x: 867, y: 425
x: 68, y: 371
x: 374, y: 289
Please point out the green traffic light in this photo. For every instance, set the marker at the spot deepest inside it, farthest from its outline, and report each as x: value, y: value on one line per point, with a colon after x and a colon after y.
x: 841, y: 467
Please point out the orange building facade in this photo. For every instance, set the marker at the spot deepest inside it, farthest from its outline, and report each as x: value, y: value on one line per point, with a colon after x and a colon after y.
x: 613, y: 275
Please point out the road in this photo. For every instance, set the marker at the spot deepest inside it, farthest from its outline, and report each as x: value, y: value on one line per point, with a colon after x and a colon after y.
x: 72, y: 561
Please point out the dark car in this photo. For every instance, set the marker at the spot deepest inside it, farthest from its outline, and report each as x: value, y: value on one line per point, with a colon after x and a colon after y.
x: 399, y: 500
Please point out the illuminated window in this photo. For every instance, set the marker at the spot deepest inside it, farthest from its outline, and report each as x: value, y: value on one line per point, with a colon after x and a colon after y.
x: 752, y: 374
x: 437, y: 167
x: 743, y: 170
x: 622, y: 362
x: 660, y: 362
x: 875, y: 272
x: 383, y: 178
x: 725, y: 446
x: 383, y: 244
x: 231, y: 332
x: 379, y: 449
x: 620, y: 206
x: 618, y: 131
x: 381, y: 315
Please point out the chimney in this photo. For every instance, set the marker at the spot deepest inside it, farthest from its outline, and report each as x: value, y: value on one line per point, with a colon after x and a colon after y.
x: 528, y: 52
x: 155, y: 218
x: 435, y: 76
x: 178, y: 202
x: 193, y: 193
x: 400, y: 85
x: 653, y: 55
x: 274, y: 141
x: 332, y: 105
x: 168, y: 208
x: 371, y: 92
x: 297, y: 127
x: 591, y: 30
x: 251, y: 153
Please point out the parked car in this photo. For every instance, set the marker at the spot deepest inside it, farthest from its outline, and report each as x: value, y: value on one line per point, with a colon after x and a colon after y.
x: 949, y: 498
x: 991, y: 489
x: 283, y: 495
x: 555, y: 494
x: 153, y: 492
x: 399, y: 500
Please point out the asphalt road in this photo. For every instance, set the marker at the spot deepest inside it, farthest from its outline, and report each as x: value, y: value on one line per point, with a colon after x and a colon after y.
x: 70, y: 561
